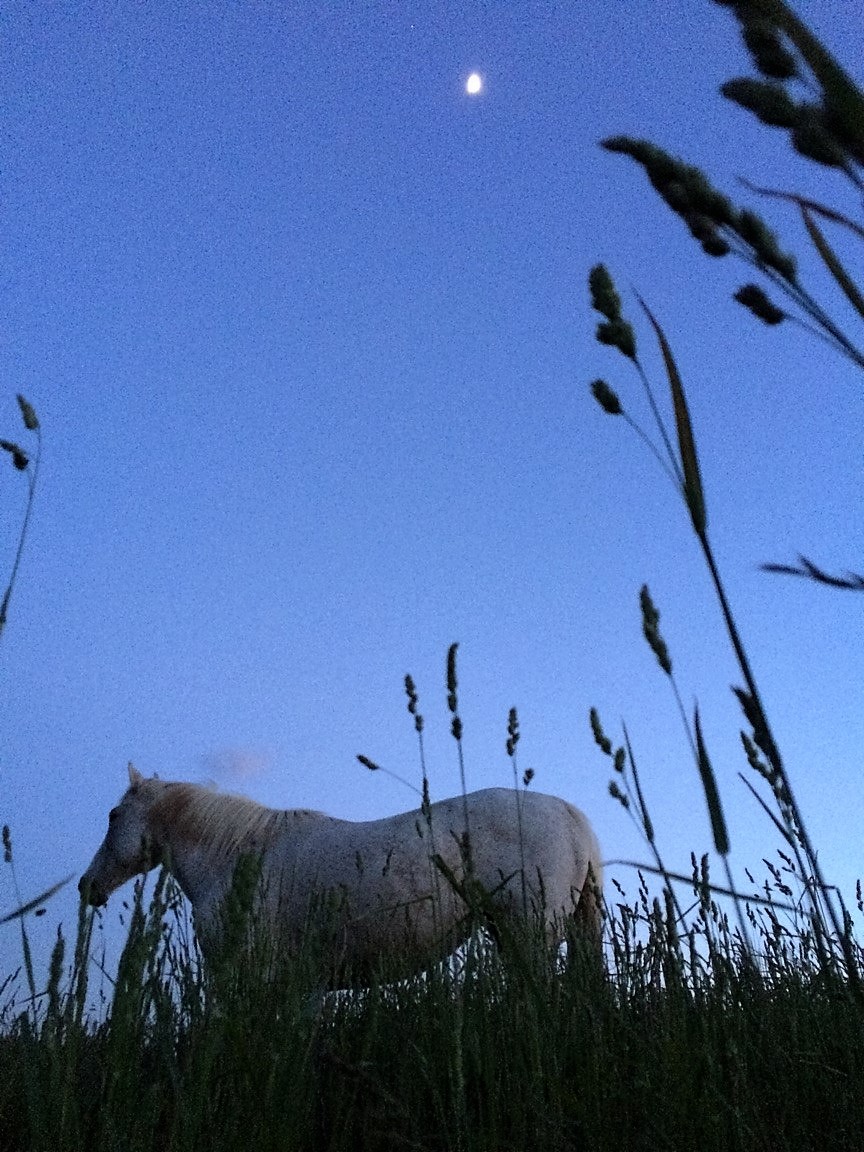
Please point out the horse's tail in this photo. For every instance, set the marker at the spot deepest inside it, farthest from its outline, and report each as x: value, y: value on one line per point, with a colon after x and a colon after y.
x: 589, y: 910
x: 588, y: 913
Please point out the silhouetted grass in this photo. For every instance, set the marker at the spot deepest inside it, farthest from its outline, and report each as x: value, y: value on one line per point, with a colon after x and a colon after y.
x: 683, y: 1039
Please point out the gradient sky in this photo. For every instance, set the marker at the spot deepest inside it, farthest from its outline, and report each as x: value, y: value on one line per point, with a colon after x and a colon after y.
x: 308, y: 332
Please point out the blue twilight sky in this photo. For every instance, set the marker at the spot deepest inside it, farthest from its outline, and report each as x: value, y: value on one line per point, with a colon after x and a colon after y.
x: 308, y: 332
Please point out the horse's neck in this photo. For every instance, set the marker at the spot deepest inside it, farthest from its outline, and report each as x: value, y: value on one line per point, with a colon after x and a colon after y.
x: 205, y: 837
x: 192, y: 868
x: 203, y: 847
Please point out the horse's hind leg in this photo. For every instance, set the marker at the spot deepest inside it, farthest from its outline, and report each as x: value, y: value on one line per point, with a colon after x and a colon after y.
x: 584, y: 934
x: 588, y: 915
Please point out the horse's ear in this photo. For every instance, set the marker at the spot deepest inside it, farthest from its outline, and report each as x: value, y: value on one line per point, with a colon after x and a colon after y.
x: 135, y: 776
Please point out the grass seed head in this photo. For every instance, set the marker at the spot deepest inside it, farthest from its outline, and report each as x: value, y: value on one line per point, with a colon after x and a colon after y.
x: 615, y: 332
x: 756, y: 720
x: 512, y: 732
x: 452, y: 683
x: 769, y: 102
x: 684, y: 187
x: 600, y: 738
x: 411, y: 693
x: 719, y: 830
x: 604, y: 298
x: 754, y: 298
x: 770, y: 56
x: 703, y: 229
x: 754, y: 760
x: 616, y: 794
x: 28, y: 414
x: 651, y: 631
x: 715, y: 245
x: 606, y: 398
x: 704, y: 197
x: 757, y: 235
x: 19, y: 457
x: 618, y: 334
x: 55, y: 967
x: 812, y: 138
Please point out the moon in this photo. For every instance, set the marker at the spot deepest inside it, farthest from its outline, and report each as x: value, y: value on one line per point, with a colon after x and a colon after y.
x: 474, y: 84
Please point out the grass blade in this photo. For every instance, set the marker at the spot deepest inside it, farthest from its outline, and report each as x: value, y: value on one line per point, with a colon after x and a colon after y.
x: 31, y: 904
x: 805, y: 202
x: 832, y: 262
x: 693, y: 493
x: 712, y: 795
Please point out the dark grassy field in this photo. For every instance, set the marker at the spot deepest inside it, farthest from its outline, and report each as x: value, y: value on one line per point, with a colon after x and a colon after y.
x: 677, y: 1040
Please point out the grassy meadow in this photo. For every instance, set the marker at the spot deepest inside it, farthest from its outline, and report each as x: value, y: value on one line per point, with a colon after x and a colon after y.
x: 679, y: 1039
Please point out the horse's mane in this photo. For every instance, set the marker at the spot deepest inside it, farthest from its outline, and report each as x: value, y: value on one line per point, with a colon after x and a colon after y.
x: 225, y: 823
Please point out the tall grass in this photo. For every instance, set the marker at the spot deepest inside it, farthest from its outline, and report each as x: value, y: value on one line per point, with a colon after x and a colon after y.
x: 829, y: 130
x: 682, y: 1040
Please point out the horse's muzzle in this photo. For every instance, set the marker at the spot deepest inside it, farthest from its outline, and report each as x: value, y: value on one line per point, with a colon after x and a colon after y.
x: 91, y: 893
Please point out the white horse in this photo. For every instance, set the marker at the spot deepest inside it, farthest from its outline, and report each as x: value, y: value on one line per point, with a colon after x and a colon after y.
x: 400, y: 884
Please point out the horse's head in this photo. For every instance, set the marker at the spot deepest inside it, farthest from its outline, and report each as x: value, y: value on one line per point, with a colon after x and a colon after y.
x: 129, y: 847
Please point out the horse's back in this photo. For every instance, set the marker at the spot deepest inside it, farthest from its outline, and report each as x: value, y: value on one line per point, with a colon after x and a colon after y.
x: 506, y: 830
